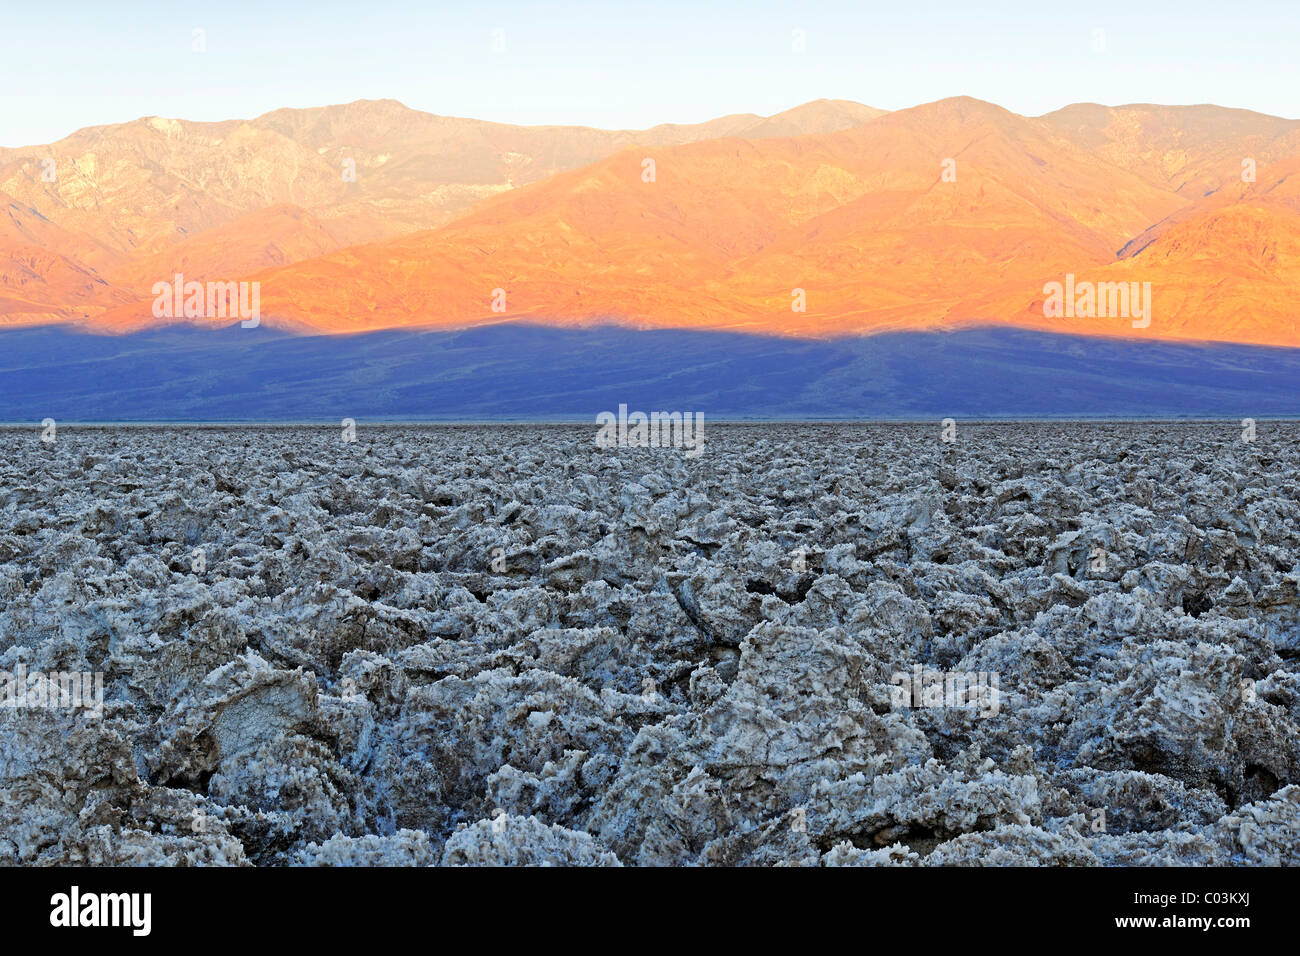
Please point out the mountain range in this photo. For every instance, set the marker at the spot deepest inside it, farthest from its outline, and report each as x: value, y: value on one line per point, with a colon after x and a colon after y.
x: 831, y: 219
x: 92, y: 221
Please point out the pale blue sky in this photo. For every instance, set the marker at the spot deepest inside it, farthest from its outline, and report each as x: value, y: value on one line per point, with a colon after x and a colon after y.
x: 628, y: 64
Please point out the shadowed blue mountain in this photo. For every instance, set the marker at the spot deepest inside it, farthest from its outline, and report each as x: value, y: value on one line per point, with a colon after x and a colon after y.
x: 530, y: 372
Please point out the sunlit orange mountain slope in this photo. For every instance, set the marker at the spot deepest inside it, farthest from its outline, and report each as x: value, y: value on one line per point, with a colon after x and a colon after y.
x: 39, y: 286
x: 43, y: 275
x: 1229, y: 274
x: 277, y: 235
x: 128, y: 200
x: 863, y: 221
x: 831, y: 218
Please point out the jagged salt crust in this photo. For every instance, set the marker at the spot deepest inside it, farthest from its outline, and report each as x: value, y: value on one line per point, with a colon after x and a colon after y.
x: 504, y: 645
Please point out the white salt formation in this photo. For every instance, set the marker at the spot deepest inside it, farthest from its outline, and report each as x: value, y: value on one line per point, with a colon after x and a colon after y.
x: 506, y: 645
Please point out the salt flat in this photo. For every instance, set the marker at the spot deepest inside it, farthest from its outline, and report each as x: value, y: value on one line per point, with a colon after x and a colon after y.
x: 505, y: 644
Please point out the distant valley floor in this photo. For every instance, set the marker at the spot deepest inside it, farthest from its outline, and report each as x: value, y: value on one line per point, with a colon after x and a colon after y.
x: 532, y: 372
